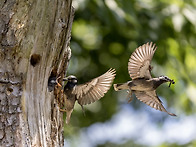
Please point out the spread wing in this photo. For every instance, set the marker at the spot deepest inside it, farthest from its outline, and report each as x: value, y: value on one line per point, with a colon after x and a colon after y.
x: 150, y: 98
x: 139, y: 62
x: 95, y: 89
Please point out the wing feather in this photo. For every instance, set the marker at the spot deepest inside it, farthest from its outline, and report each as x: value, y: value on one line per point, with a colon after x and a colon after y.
x: 150, y: 98
x: 139, y: 62
x: 95, y: 89
x: 142, y: 52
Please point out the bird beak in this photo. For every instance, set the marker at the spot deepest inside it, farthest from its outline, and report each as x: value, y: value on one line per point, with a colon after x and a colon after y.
x: 65, y: 79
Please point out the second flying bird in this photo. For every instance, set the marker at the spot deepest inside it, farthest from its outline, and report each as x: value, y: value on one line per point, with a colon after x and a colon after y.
x: 142, y: 84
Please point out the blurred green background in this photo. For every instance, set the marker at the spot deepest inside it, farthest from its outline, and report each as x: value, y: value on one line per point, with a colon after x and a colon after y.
x: 104, y: 34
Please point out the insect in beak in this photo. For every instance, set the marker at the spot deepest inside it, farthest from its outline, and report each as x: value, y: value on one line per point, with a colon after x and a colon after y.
x: 171, y: 82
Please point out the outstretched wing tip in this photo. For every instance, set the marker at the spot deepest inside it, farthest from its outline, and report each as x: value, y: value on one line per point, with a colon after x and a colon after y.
x: 172, y: 114
x: 112, y: 71
x: 151, y: 99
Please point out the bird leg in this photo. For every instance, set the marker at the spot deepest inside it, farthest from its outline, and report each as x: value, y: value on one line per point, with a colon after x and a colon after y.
x: 129, y: 96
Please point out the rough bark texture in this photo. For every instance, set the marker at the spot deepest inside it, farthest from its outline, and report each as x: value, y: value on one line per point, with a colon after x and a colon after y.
x: 34, y: 45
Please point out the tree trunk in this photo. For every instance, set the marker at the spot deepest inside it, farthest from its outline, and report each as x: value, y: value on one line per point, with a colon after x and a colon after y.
x: 34, y: 45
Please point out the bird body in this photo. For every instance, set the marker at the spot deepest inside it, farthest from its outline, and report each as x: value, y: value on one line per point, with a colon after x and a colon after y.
x: 69, y: 99
x: 142, y: 84
x: 85, y: 93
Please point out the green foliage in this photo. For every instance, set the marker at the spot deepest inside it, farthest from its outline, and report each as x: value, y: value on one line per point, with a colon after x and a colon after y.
x: 104, y: 35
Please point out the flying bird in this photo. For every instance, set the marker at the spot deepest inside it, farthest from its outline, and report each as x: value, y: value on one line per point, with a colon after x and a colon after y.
x: 142, y: 84
x: 85, y: 93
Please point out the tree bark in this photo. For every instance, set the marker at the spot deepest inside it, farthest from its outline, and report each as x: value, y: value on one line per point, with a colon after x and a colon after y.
x: 34, y: 45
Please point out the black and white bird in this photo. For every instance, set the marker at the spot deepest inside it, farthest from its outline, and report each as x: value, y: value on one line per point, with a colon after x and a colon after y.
x: 85, y: 93
x: 142, y: 84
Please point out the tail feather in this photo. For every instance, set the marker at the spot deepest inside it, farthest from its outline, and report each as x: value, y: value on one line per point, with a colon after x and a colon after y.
x: 68, y: 116
x: 120, y: 86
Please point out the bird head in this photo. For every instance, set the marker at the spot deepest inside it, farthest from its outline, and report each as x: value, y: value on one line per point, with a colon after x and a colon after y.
x: 71, y: 79
x: 166, y: 79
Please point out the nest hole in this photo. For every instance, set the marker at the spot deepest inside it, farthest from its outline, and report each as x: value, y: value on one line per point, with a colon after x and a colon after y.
x: 10, y: 89
x: 35, y: 59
